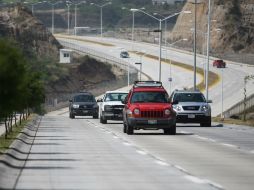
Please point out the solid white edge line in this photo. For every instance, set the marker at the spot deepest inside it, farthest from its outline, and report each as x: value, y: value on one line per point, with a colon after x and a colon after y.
x: 180, y: 168
x: 194, y: 179
x: 141, y: 152
x: 229, y: 145
x: 161, y: 163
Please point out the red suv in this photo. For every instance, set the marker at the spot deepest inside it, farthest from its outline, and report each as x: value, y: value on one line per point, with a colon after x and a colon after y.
x: 147, y: 106
x: 219, y: 63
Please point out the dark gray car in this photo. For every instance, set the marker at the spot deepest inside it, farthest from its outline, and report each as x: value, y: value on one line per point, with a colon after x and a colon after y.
x: 83, y: 104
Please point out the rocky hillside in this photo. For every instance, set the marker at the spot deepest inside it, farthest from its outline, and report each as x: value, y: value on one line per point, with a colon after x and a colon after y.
x: 42, y: 50
x: 18, y: 23
x: 232, y: 25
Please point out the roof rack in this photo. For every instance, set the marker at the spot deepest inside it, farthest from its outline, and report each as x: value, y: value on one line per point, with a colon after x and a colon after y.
x: 147, y: 84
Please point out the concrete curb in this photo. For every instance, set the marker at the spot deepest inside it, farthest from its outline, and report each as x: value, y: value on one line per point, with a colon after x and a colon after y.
x: 12, y: 162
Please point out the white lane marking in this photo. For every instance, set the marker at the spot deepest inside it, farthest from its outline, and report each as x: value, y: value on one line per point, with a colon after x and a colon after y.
x: 214, y: 184
x: 212, y: 140
x: 180, y: 168
x: 229, y: 145
x: 96, y: 126
x: 141, y: 152
x: 161, y: 163
x: 194, y: 179
x: 202, y: 138
x: 126, y: 144
x: 115, y: 137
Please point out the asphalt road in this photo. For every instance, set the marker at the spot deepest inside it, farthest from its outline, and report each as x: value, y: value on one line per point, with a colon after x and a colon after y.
x: 78, y: 154
x: 84, y: 154
x: 233, y: 75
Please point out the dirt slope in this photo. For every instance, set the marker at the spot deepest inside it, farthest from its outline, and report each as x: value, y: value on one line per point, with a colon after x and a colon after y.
x: 232, y: 25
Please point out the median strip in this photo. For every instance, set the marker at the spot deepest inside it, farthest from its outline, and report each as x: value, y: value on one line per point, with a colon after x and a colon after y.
x: 214, y: 78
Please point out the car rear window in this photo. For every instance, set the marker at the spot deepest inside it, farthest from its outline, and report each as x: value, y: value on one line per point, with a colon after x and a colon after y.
x: 84, y: 98
x: 155, y: 97
x: 189, y: 97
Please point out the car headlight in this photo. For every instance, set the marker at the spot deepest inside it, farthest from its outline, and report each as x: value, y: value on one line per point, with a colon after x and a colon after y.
x: 75, y: 106
x: 136, y: 111
x: 107, y: 108
x: 177, y: 108
x: 167, y: 112
x: 204, y: 108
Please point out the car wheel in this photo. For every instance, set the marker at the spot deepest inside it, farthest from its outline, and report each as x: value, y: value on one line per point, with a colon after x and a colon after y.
x: 170, y: 131
x: 166, y: 131
x: 207, y: 124
x: 102, y: 120
x: 72, y: 116
x: 124, y: 128
x: 129, y: 129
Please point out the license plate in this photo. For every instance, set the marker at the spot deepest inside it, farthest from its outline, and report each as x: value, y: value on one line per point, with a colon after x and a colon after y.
x: 151, y: 122
x: 191, y: 116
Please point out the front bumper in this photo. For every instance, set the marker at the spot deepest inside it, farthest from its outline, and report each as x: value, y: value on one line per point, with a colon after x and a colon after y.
x: 192, y: 118
x: 151, y: 123
x: 112, y: 116
x: 84, y: 112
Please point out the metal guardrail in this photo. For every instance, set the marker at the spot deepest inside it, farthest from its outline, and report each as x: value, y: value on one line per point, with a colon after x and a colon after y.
x: 239, y: 107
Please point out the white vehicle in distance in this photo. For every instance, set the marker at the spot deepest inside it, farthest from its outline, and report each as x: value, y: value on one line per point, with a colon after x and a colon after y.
x: 111, y: 106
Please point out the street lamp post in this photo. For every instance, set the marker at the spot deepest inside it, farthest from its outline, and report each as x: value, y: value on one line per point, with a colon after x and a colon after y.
x: 170, y: 62
x: 160, y: 31
x: 140, y: 68
x: 101, y: 6
x: 33, y: 4
x: 75, y: 23
x: 133, y: 23
x: 208, y: 47
x: 53, y: 14
x: 222, y: 85
x: 165, y: 27
x: 68, y: 6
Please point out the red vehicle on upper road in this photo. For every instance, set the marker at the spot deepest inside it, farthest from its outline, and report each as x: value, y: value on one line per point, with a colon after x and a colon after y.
x: 147, y: 106
x: 219, y: 63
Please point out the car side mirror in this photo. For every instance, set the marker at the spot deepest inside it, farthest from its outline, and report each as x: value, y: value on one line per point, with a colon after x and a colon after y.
x: 209, y: 101
x: 175, y: 102
x: 99, y: 100
x: 124, y: 101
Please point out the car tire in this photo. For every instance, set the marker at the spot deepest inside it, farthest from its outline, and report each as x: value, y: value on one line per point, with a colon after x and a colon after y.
x: 206, y: 124
x: 170, y: 131
x: 124, y: 128
x: 102, y: 120
x: 129, y: 130
x: 72, y: 116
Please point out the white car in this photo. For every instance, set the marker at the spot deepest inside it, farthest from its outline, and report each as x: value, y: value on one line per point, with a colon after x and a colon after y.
x: 111, y: 106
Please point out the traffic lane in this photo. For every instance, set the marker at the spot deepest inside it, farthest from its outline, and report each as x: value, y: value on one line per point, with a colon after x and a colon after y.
x: 223, y: 165
x: 76, y: 154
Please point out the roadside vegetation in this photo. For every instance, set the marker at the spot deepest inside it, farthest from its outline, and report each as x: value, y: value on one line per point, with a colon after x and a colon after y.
x: 21, y: 87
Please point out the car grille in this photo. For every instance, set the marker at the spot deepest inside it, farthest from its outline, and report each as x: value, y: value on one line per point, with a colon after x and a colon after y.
x: 118, y: 107
x: 152, y: 113
x: 86, y: 106
x: 191, y: 108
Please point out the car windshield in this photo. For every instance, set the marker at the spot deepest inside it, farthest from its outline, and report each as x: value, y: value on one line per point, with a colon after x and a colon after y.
x: 156, y: 97
x: 115, y: 96
x: 189, y: 97
x: 84, y: 98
